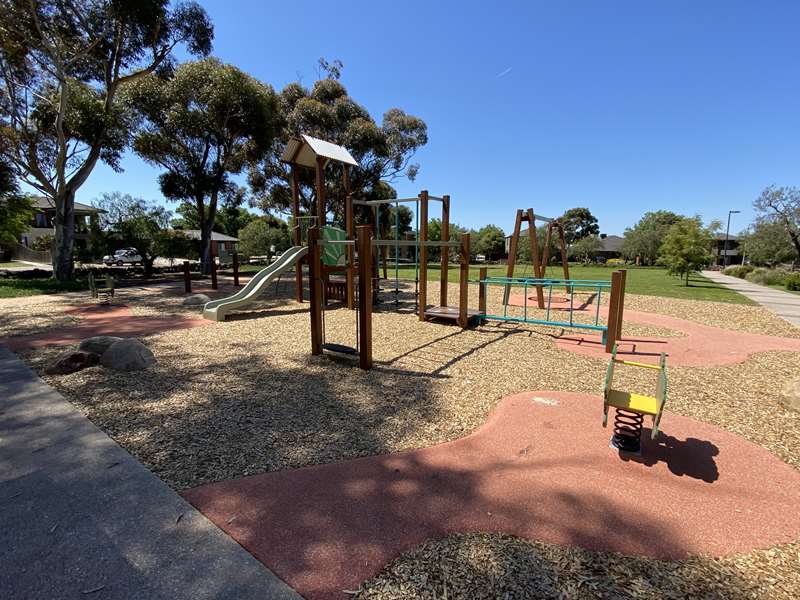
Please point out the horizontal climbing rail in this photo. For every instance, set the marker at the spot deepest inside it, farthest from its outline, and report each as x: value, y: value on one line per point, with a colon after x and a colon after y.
x: 392, y: 243
x: 571, y: 285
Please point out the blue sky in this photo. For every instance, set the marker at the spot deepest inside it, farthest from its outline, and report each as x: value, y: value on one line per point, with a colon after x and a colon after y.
x: 622, y: 107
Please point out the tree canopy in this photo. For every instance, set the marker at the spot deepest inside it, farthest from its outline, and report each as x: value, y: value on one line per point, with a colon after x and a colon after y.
x: 260, y: 236
x: 686, y: 247
x: 585, y: 248
x: 16, y: 210
x: 490, y: 241
x: 766, y: 242
x: 384, y: 151
x: 206, y: 122
x: 136, y: 223
x: 63, y: 64
x: 578, y: 223
x: 645, y: 238
x: 781, y: 205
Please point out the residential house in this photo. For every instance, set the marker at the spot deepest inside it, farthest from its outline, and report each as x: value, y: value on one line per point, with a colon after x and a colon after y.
x: 610, y: 246
x: 222, y: 246
x: 43, y: 222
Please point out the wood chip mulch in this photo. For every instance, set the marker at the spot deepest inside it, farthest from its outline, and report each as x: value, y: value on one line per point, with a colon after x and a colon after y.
x: 245, y: 397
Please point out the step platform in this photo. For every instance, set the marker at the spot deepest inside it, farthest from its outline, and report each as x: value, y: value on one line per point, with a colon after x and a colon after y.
x: 450, y: 313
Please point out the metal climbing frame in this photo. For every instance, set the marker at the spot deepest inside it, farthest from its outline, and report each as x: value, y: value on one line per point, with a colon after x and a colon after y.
x: 572, y: 285
x: 611, y: 330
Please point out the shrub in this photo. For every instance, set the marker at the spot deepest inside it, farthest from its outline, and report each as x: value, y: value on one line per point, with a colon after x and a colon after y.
x: 767, y: 276
x: 792, y: 282
x: 739, y: 271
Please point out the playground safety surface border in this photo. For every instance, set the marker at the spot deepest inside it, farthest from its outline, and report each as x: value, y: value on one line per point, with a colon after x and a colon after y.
x: 540, y: 468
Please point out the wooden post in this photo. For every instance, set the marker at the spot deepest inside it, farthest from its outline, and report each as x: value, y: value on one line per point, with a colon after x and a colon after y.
x: 320, y: 187
x: 512, y: 254
x: 213, y: 272
x: 235, y: 268
x: 187, y: 278
x: 349, y: 232
x: 482, y: 274
x: 315, y: 289
x: 463, y: 278
x: 613, y: 312
x: 538, y: 272
x: 621, y: 306
x: 298, y: 236
x: 563, y: 244
x: 364, y: 297
x: 423, y: 254
x: 445, y: 250
x: 546, y: 250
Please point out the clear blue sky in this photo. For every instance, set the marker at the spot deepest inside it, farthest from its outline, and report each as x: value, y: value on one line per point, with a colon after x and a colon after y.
x: 622, y: 107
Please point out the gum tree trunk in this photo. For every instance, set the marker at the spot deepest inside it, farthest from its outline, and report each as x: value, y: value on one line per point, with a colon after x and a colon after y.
x: 64, y: 236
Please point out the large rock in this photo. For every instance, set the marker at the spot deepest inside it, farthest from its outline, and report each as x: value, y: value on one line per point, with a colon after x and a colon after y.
x: 127, y: 355
x: 792, y: 393
x: 98, y: 344
x: 72, y: 361
x: 196, y: 300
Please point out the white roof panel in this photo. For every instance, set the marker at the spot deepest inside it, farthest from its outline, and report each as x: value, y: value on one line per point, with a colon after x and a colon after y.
x: 304, y: 152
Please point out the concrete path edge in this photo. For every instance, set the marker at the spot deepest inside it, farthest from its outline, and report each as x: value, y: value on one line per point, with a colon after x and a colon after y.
x: 79, y: 515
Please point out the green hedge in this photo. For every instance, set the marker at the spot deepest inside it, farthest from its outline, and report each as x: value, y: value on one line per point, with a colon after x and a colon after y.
x: 767, y: 276
x: 792, y: 282
x: 739, y: 271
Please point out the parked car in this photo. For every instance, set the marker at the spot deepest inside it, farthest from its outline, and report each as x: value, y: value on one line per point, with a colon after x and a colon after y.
x: 126, y: 256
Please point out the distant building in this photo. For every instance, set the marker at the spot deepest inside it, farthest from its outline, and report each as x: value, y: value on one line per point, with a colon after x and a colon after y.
x: 611, y: 246
x: 733, y: 249
x: 43, y: 222
x: 222, y: 246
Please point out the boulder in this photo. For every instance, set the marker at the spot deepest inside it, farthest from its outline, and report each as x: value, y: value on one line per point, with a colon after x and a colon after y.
x: 196, y: 300
x: 127, y: 355
x: 792, y: 394
x: 98, y: 344
x: 72, y: 361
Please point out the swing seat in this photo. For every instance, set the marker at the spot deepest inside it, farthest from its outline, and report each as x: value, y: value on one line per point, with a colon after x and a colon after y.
x: 339, y: 348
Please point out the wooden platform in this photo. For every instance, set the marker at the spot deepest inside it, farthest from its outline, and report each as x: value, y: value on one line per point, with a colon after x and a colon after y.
x: 449, y: 312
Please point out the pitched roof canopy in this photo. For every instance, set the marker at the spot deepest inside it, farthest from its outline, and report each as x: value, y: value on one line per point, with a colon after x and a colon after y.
x: 304, y: 152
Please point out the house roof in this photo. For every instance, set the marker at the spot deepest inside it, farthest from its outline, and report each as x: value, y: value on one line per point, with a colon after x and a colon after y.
x: 215, y: 236
x: 305, y: 150
x: 721, y: 237
x: 44, y: 203
x: 612, y: 243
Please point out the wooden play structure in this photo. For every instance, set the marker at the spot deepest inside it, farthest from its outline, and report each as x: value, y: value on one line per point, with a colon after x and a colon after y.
x: 631, y: 408
x: 539, y: 266
x: 339, y: 279
x: 344, y: 267
x: 363, y: 250
x: 312, y: 153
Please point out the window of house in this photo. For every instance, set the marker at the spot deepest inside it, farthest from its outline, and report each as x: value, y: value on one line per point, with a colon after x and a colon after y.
x: 41, y: 220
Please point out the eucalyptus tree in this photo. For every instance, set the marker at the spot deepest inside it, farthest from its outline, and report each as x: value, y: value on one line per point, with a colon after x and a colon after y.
x: 204, y: 123
x: 63, y: 64
x: 384, y: 151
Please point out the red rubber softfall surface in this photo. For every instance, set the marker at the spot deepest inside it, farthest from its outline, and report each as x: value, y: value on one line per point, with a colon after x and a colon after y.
x: 99, y: 319
x: 699, y: 346
x: 540, y: 468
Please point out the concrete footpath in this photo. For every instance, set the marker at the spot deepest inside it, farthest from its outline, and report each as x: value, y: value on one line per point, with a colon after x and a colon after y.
x: 783, y: 304
x: 82, y: 518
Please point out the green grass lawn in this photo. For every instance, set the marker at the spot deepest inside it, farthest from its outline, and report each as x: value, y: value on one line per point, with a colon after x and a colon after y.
x: 16, y: 288
x: 649, y: 281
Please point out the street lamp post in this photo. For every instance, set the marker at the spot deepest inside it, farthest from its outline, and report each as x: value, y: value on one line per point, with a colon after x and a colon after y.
x: 727, y: 234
